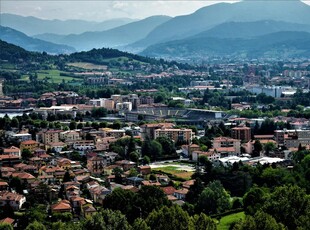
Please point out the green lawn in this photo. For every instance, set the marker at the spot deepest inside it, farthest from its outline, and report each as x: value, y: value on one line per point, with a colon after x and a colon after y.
x: 52, y: 76
x: 226, y: 221
x: 175, y: 171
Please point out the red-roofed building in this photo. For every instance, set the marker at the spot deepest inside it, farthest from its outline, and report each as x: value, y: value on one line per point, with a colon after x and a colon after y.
x: 15, y: 200
x: 7, y: 220
x: 62, y: 206
x: 168, y: 190
x: 31, y: 145
x: 12, y: 151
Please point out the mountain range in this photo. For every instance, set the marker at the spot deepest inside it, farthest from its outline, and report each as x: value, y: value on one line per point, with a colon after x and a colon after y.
x: 180, y: 27
x: 32, y: 44
x: 119, y: 36
x: 33, y: 26
x: 210, y: 31
x: 283, y: 44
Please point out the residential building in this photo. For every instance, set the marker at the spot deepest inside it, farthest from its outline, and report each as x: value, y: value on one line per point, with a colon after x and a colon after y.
x: 12, y: 151
x: 31, y: 145
x: 51, y: 136
x: 241, y: 132
x: 70, y: 135
x: 15, y: 200
x: 148, y: 130
x: 227, y: 146
x: 96, y: 165
x: 62, y: 206
x: 177, y: 135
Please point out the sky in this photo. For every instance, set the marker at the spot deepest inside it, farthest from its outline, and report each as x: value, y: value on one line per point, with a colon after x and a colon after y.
x: 101, y: 10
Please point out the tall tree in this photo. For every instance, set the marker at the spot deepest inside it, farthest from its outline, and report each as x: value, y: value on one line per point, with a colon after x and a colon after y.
x: 214, y: 199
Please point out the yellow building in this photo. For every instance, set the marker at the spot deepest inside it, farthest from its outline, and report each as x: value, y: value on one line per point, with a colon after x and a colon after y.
x: 177, y: 135
x: 31, y: 145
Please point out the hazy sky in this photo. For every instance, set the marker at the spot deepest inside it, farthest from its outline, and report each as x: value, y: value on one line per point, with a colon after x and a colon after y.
x: 100, y: 10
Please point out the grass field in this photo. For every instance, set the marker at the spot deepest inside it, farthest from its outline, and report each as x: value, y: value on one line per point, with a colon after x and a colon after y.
x: 51, y: 76
x: 88, y: 66
x: 176, y: 172
x: 226, y: 221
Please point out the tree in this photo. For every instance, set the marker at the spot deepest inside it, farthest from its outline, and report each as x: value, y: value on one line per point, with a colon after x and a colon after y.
x: 214, y: 199
x: 146, y: 160
x: 202, y: 221
x: 260, y: 221
x: 134, y: 156
x: 140, y: 224
x: 99, y: 112
x: 16, y: 183
x: 204, y: 160
x: 26, y: 154
x: 106, y: 220
x: 173, y: 218
x: 152, y: 149
x: 167, y: 144
x: 73, y: 125
x: 149, y: 198
x: 15, y: 122
x: 36, y: 226
x: 287, y: 204
x: 258, y: 147
x: 6, y: 226
x: 269, y: 147
x: 194, y: 191
x: 118, y: 172
x: 253, y: 200
x: 67, y: 177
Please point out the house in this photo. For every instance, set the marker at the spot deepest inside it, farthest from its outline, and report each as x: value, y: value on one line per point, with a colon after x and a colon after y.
x: 62, y: 206
x: 7, y: 171
x: 145, y: 169
x: 125, y: 164
x: 108, y: 170
x: 24, y: 177
x: 98, y: 193
x: 12, y: 151
x: 72, y: 191
x: 30, y: 144
x: 168, y: 190
x: 15, y: 200
x: 187, y: 184
x: 56, y: 146
x: 227, y: 146
x: 96, y: 164
x: 8, y: 220
x: 3, y: 185
x: 88, y: 210
x: 150, y: 183
x: 211, y: 154
x: 84, y: 145
x: 70, y: 135
x: 39, y: 152
x: 188, y: 149
x: 9, y: 160
x: 181, y: 193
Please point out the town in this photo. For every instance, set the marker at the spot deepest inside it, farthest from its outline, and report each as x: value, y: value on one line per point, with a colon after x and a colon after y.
x: 140, y: 138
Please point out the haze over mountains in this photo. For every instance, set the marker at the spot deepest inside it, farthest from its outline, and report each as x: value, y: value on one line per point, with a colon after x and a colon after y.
x: 224, y: 29
x: 32, y: 44
x: 118, y: 36
x: 33, y: 26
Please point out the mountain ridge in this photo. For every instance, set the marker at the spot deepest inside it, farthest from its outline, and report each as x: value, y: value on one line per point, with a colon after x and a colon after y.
x: 31, y: 26
x: 18, y: 38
